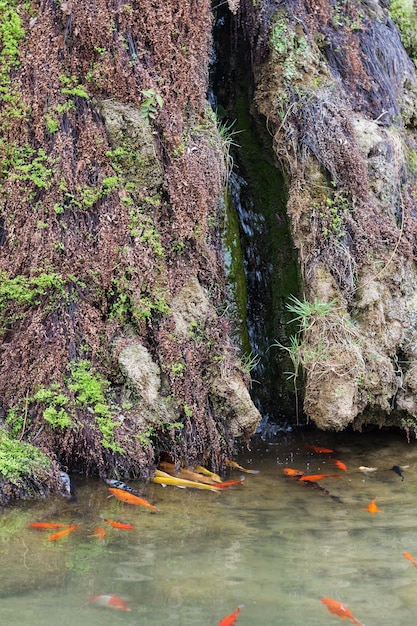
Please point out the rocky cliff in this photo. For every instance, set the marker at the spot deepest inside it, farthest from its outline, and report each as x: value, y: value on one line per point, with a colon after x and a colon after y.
x: 115, y: 344
x: 337, y: 89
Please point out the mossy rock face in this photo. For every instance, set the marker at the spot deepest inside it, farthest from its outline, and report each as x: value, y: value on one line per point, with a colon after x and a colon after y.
x: 190, y: 307
x: 231, y: 399
x: 143, y: 380
x: 349, y: 154
x: 129, y: 132
x: 227, y: 386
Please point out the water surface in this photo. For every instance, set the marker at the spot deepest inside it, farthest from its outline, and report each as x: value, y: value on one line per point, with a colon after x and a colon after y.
x: 273, y: 544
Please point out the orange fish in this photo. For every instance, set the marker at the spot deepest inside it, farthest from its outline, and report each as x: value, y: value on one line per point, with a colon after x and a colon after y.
x: 230, y: 483
x: 320, y: 450
x: 109, y: 602
x: 129, y: 498
x: 292, y: 472
x: 335, y: 607
x: 100, y: 533
x: 408, y: 556
x: 314, y: 477
x: 47, y: 525
x: 230, y: 620
x: 118, y: 524
x: 372, y: 507
x: 62, y: 533
x: 340, y: 464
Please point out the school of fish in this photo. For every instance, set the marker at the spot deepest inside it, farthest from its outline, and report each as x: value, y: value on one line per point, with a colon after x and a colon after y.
x: 199, y: 478
x: 334, y: 606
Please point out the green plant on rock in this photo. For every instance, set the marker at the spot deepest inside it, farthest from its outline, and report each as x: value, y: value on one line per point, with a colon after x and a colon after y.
x: 71, y: 87
x: 33, y: 166
x: 149, y: 107
x: 249, y: 361
x: 325, y: 332
x: 11, y: 34
x: 54, y: 400
x: 333, y: 213
x: 22, y: 290
x: 90, y: 391
x: 291, y: 47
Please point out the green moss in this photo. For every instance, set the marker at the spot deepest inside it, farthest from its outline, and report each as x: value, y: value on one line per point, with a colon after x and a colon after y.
x: 235, y: 271
x: 71, y: 87
x: 291, y: 46
x: 19, y: 461
x: 404, y: 14
x: 268, y: 250
x: 11, y: 34
x: 91, y: 390
x: 55, y: 400
x: 22, y: 290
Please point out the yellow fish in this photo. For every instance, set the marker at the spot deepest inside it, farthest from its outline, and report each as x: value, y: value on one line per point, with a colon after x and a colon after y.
x: 235, y: 465
x: 162, y: 478
x: 169, y: 468
x: 202, y: 470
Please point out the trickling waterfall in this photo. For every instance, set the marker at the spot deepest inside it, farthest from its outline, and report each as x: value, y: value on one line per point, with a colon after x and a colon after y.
x: 259, y: 249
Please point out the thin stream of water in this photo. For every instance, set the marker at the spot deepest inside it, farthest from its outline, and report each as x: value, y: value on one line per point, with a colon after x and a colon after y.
x: 274, y: 544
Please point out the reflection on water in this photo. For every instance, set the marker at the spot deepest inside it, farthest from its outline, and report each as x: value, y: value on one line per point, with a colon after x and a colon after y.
x: 274, y: 544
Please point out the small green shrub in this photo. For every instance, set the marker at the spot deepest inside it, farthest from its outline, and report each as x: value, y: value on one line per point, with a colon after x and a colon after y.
x: 150, y: 105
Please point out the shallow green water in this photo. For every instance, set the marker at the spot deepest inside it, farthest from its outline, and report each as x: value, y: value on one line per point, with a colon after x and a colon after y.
x: 274, y: 544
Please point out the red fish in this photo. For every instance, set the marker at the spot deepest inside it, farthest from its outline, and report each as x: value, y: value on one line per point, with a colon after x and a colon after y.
x: 230, y: 620
x: 335, y: 607
x: 372, y: 507
x: 340, y: 464
x: 230, y: 483
x: 292, y: 472
x: 408, y: 556
x: 47, y: 525
x: 119, y: 525
x: 314, y: 477
x: 129, y: 498
x: 320, y: 450
x: 100, y: 533
x: 109, y: 602
x: 62, y: 533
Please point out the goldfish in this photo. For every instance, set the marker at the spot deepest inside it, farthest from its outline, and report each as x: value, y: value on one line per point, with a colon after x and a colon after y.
x: 292, y: 472
x: 62, y: 533
x: 408, y: 556
x: 169, y: 468
x: 315, y: 477
x: 340, y: 464
x: 339, y: 609
x: 230, y: 483
x: 372, y: 507
x: 100, y: 533
x: 320, y: 450
x: 119, y: 525
x: 365, y: 469
x: 230, y: 620
x: 162, y: 478
x: 202, y: 470
x: 109, y: 602
x: 129, y: 498
x: 235, y: 465
x: 47, y: 525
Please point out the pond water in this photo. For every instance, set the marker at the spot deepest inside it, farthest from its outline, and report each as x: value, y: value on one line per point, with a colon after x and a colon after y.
x: 274, y: 544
